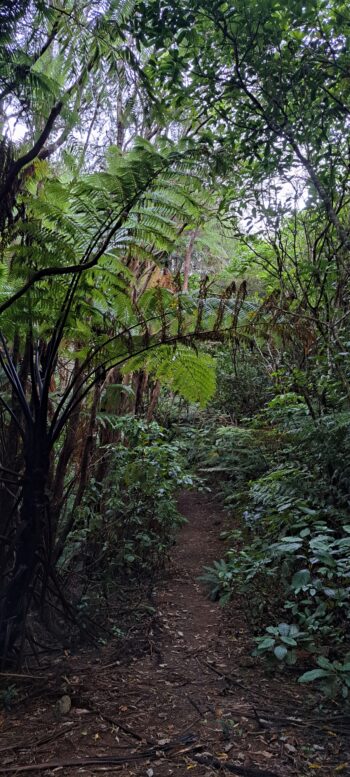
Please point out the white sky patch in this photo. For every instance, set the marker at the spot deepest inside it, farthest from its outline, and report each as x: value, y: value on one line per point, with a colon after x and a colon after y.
x: 278, y: 196
x: 17, y: 129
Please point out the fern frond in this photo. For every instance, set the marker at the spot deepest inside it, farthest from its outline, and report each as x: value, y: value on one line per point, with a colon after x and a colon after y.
x: 182, y: 370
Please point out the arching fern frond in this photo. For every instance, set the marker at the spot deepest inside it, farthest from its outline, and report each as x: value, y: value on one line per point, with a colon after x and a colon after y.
x: 135, y: 208
x: 183, y: 370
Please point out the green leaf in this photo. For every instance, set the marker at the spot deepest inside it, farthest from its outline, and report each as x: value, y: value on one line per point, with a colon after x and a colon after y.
x: 314, y: 674
x: 294, y: 630
x: 301, y: 578
x: 266, y: 643
x: 280, y: 652
x: 330, y: 592
x: 283, y: 629
x: 289, y: 641
x: 323, y: 662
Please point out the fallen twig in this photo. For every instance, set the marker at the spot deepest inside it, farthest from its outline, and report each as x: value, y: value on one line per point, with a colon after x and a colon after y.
x: 196, y: 706
x: 25, y: 676
x: 122, y: 726
x: 42, y: 741
x: 227, y: 677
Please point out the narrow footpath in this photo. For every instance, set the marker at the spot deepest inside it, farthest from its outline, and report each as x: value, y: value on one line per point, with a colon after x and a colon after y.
x: 188, y: 700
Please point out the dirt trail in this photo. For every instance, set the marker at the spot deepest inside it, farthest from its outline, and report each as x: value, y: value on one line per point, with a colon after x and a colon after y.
x: 194, y: 701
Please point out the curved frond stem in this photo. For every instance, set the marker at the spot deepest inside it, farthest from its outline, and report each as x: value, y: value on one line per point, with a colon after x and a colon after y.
x: 76, y: 377
x: 15, y: 382
x: 122, y: 359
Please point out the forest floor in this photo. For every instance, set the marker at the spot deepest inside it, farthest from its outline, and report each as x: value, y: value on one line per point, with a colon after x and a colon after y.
x: 184, y: 698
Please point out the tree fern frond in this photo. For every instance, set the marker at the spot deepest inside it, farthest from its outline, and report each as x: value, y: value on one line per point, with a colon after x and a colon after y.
x: 182, y: 370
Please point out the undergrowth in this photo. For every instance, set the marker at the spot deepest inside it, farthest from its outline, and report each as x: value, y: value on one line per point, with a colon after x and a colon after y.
x: 285, y: 478
x: 128, y: 521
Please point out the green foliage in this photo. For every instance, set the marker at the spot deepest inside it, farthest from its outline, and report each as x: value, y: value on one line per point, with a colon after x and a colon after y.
x: 231, y: 455
x: 332, y: 677
x: 280, y: 642
x: 129, y: 208
x: 251, y: 159
x: 184, y: 371
x: 243, y: 385
x: 218, y: 578
x: 129, y: 521
x: 294, y: 527
x: 272, y: 62
x: 8, y: 696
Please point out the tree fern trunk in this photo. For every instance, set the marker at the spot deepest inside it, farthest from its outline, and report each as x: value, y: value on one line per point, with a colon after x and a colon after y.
x: 11, y: 453
x: 30, y: 553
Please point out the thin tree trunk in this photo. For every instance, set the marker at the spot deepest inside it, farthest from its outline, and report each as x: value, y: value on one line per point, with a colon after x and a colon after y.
x: 84, y: 472
x: 153, y: 401
x: 141, y: 384
x: 65, y: 456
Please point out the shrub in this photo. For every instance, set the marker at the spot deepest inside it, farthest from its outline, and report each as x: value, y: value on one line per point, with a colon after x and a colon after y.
x: 128, y: 523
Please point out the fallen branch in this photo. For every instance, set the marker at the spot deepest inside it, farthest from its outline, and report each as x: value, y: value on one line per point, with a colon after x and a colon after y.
x: 102, y: 760
x: 122, y: 726
x: 113, y: 760
x: 246, y: 771
x: 42, y: 741
x: 70, y: 763
x: 229, y: 678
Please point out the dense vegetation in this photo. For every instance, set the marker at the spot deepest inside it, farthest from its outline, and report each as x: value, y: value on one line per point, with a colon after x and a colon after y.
x: 174, y: 310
